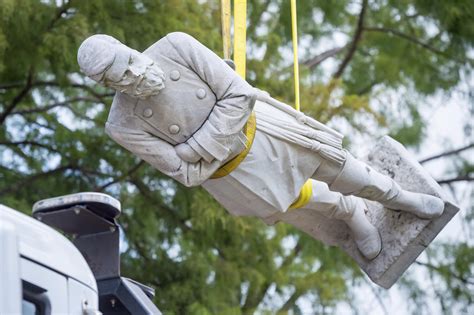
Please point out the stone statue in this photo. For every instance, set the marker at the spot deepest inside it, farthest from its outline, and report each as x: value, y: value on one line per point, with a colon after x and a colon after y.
x: 183, y: 110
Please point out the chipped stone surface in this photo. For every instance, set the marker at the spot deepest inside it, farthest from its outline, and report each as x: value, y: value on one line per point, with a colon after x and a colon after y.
x: 404, y: 236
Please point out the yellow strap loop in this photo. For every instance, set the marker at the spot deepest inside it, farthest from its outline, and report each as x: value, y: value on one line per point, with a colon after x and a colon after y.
x: 305, y: 195
x: 249, y: 130
x: 240, y: 36
x: 225, y: 20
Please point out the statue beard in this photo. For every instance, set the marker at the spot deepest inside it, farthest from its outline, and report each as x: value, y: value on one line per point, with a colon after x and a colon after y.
x: 143, y: 85
x: 152, y: 82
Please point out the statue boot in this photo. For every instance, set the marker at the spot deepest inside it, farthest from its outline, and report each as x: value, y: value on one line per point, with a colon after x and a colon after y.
x: 359, y: 179
x: 351, y: 210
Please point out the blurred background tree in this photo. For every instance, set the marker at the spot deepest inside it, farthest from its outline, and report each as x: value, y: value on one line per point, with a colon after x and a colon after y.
x: 368, y: 68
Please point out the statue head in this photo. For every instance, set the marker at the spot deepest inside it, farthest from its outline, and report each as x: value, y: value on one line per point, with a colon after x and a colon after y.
x: 113, y: 64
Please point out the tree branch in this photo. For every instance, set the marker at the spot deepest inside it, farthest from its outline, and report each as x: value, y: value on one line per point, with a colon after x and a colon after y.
x: 411, y: 39
x: 31, y: 143
x: 255, y: 17
x: 65, y: 103
x: 17, y: 99
x: 366, y: 89
x: 51, y: 106
x: 355, y: 41
x: 86, y: 87
x: 38, y: 124
x: 290, y: 302
x: 252, y: 302
x: 121, y: 177
x: 29, y: 80
x: 377, y: 297
x: 447, y: 153
x: 444, y: 269
x: 11, y: 85
x: 147, y: 193
x: 29, y: 179
x: 463, y: 178
x: 318, y: 59
x: 61, y: 10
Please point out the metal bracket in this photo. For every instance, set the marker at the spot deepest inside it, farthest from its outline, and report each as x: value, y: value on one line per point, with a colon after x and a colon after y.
x: 125, y: 296
x: 96, y: 238
x: 90, y: 219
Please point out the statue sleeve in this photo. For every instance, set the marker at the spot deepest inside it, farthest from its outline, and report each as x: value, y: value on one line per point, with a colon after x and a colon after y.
x: 162, y: 155
x: 235, y: 97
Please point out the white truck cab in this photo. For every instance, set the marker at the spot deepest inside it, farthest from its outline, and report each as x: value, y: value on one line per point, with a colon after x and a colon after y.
x: 42, y: 272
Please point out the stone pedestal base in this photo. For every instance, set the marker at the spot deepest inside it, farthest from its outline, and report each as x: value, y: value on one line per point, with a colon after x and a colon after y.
x: 404, y: 236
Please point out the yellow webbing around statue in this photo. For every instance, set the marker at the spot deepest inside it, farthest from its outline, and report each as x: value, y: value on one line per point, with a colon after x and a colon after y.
x: 305, y: 195
x: 249, y: 131
x: 307, y: 189
x: 240, y: 36
x: 226, y: 19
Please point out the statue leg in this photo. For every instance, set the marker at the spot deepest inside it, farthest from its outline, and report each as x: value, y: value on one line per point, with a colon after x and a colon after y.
x: 358, y: 179
x: 351, y: 210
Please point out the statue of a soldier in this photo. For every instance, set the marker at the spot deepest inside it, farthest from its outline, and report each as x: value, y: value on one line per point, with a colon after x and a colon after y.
x: 183, y: 110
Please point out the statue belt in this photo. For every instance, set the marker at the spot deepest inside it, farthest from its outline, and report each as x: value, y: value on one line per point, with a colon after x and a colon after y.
x: 249, y: 130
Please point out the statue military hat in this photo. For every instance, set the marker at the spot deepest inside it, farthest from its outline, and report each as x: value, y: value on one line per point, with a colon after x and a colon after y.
x: 100, y: 54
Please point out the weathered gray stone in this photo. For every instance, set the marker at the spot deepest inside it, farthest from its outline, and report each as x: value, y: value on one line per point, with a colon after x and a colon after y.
x: 404, y: 236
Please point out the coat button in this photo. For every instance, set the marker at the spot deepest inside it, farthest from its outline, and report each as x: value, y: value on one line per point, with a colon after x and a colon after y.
x: 175, y: 75
x: 201, y: 93
x: 147, y: 113
x: 173, y: 129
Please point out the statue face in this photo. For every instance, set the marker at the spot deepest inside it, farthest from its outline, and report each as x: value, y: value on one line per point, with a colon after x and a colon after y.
x: 140, y: 77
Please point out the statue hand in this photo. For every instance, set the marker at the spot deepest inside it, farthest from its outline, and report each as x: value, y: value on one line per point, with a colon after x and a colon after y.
x: 186, y: 153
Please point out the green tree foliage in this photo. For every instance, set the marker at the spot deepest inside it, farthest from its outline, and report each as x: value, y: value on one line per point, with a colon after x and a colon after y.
x: 179, y: 240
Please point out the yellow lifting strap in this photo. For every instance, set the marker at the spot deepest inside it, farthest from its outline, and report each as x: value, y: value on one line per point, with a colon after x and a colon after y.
x: 240, y: 36
x: 296, y: 69
x: 240, y: 48
x: 240, y: 33
x: 307, y: 190
x: 240, y: 16
x: 226, y: 19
